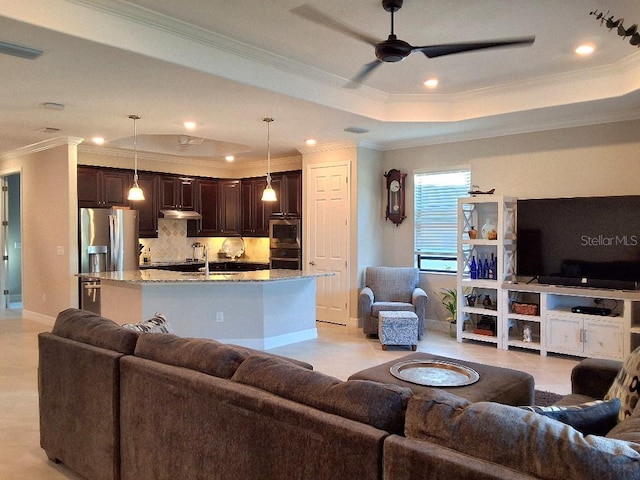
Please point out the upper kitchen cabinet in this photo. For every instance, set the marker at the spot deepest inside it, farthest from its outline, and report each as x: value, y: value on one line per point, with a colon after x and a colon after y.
x: 230, y: 207
x: 218, y: 201
x: 147, y: 208
x: 176, y: 193
x: 207, y: 193
x: 288, y: 187
x: 255, y: 212
x: 103, y: 187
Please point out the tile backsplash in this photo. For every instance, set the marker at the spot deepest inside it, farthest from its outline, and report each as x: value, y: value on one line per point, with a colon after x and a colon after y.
x: 173, y: 244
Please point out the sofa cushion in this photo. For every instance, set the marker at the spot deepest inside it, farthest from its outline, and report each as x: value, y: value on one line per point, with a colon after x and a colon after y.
x: 379, y: 405
x: 626, y: 385
x: 627, y: 430
x: 522, y: 440
x: 92, y: 329
x: 156, y: 324
x: 200, y: 354
x: 591, y: 418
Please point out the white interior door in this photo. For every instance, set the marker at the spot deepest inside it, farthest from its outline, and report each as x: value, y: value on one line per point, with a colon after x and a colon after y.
x: 327, y: 238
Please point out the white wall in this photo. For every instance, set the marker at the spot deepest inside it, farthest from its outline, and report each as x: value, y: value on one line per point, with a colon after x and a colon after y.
x: 581, y: 161
x: 368, y: 218
x: 49, y: 227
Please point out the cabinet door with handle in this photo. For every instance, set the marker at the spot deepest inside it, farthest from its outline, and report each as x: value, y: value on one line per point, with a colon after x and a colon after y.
x: 603, y: 338
x: 564, y: 334
x: 207, y: 204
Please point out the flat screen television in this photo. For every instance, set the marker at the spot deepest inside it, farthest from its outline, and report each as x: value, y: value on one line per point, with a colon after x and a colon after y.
x: 581, y: 241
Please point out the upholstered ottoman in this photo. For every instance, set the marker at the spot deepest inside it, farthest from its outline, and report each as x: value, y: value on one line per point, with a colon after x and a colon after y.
x: 398, y: 328
x: 496, y: 384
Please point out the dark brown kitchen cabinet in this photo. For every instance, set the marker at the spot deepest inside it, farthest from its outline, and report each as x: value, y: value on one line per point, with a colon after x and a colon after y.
x: 255, y: 212
x: 148, y: 208
x: 288, y: 187
x: 176, y: 193
x: 230, y: 207
x: 207, y: 204
x: 103, y: 187
x: 218, y: 201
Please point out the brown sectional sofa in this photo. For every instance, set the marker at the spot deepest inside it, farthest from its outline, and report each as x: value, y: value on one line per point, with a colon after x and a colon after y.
x: 115, y: 404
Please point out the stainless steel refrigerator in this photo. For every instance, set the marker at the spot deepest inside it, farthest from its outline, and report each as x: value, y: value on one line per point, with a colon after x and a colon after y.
x: 108, y: 242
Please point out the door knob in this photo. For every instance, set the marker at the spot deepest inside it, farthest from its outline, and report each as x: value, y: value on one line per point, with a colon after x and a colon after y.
x: 312, y: 262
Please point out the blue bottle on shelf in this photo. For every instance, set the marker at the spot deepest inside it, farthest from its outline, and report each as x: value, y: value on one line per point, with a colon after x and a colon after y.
x: 473, y: 268
x: 485, y: 268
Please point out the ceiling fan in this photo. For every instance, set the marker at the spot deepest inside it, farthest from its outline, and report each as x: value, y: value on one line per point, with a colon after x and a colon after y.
x: 393, y: 49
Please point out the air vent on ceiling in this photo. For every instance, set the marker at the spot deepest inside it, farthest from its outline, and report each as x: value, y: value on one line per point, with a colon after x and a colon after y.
x: 356, y: 130
x: 19, y: 51
x: 52, y: 106
x: 49, y: 130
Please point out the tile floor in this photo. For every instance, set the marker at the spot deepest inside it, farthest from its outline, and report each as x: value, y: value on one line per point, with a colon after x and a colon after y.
x: 338, y: 351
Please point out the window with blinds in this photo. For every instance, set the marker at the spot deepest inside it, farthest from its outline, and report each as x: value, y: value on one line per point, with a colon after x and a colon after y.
x: 436, y: 218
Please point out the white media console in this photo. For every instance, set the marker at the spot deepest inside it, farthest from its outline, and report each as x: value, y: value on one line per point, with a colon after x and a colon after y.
x: 533, y: 316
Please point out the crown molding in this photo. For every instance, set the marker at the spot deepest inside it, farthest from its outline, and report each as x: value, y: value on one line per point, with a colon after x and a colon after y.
x: 41, y: 146
x: 493, y: 132
x: 158, y: 157
x: 328, y: 147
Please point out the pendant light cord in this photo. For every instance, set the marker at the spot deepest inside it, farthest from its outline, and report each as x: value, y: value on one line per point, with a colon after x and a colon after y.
x: 135, y: 149
x: 268, y: 120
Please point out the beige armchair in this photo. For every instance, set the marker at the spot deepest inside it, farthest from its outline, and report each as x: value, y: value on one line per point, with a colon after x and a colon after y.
x: 391, y: 288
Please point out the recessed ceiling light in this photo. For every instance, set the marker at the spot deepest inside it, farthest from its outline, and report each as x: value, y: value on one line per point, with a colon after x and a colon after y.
x: 310, y: 141
x: 189, y: 125
x: 98, y: 140
x: 229, y: 158
x: 584, y: 50
x: 431, y: 83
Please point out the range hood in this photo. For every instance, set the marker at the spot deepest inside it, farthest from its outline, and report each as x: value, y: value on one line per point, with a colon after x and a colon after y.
x: 181, y: 214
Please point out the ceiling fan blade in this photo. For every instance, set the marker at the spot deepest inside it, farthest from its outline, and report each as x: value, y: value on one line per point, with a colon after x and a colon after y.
x: 433, y: 51
x: 308, y: 12
x: 356, y: 81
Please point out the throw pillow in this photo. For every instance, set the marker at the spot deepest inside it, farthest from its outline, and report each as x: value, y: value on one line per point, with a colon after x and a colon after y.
x: 156, y: 324
x: 626, y: 385
x: 536, y: 445
x: 591, y: 418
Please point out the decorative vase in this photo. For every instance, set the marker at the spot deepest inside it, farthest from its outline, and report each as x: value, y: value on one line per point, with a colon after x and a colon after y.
x: 489, y: 230
x: 486, y: 301
x: 473, y: 233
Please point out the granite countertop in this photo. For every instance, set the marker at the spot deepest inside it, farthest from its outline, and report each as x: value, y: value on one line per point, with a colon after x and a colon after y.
x: 152, y: 276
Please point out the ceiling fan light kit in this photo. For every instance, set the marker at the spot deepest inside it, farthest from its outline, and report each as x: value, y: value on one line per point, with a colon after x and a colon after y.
x: 393, y: 49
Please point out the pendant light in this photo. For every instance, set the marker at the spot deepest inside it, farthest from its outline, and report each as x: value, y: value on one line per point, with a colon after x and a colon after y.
x: 135, y: 193
x: 268, y: 194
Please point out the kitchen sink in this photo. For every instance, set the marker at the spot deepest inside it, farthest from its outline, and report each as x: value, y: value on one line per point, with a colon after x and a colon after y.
x: 200, y: 274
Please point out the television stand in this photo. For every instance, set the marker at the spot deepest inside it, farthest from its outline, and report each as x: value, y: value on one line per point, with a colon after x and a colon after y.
x: 566, y: 323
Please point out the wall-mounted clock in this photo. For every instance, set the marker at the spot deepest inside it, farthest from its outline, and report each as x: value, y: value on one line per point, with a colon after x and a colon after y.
x: 395, y: 196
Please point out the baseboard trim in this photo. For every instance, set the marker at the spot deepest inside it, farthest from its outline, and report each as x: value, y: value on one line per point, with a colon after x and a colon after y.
x: 39, y: 317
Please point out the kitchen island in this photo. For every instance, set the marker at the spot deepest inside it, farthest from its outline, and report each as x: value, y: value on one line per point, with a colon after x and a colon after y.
x: 259, y: 309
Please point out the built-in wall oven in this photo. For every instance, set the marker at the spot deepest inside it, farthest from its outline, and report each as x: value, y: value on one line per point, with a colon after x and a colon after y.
x: 285, y: 244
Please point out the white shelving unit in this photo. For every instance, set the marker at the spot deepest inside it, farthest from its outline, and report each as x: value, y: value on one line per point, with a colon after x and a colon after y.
x: 515, y: 324
x: 552, y: 326
x: 479, y: 322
